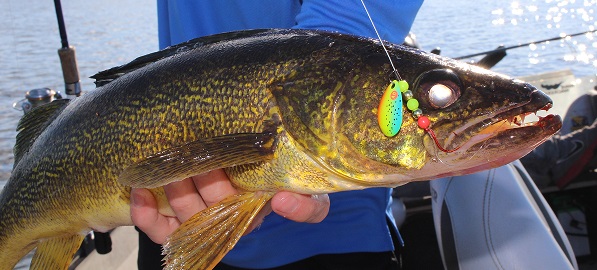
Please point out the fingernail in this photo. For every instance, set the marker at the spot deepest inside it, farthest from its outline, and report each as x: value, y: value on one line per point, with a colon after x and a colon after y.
x: 137, y: 200
x: 288, y: 205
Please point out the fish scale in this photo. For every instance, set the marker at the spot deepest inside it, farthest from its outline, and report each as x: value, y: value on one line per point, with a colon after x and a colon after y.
x: 278, y: 109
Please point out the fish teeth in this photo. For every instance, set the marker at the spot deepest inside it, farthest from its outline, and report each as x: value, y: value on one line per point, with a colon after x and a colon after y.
x: 518, y: 120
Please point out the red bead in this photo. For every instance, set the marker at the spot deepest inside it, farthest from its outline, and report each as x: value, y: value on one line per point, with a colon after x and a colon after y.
x: 423, y: 122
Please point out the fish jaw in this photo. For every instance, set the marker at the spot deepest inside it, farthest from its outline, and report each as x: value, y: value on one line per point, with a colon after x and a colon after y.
x: 497, y: 119
x: 499, y: 138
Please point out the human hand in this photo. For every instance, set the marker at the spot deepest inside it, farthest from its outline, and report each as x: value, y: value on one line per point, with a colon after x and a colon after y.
x: 191, y: 195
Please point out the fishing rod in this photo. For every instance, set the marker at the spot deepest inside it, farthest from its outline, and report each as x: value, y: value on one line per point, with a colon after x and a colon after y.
x: 503, y: 49
x: 70, y: 72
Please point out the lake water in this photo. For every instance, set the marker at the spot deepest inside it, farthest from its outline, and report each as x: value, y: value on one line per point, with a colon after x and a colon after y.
x: 463, y: 27
x: 107, y: 33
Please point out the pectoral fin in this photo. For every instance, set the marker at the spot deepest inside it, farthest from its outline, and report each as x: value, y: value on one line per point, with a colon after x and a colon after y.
x: 56, y: 253
x: 202, y: 241
x: 197, y: 157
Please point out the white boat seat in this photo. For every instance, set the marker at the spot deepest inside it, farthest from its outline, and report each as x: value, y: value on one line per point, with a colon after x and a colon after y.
x: 497, y: 219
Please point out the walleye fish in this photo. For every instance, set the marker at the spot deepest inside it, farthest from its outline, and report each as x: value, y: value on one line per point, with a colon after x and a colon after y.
x: 278, y: 109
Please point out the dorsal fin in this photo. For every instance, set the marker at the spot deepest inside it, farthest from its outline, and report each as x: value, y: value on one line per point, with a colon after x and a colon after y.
x: 33, y: 123
x: 111, y: 74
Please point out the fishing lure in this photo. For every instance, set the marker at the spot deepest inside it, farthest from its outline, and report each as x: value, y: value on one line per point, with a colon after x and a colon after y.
x: 389, y: 111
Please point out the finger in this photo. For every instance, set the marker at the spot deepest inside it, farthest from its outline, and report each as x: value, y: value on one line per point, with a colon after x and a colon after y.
x: 184, y: 199
x: 214, y: 186
x: 145, y: 215
x: 267, y: 209
x: 301, y: 208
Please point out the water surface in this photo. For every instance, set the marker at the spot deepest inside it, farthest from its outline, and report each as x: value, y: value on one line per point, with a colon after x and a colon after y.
x: 105, y: 33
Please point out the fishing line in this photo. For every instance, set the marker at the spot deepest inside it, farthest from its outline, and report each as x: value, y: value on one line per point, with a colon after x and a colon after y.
x: 381, y: 41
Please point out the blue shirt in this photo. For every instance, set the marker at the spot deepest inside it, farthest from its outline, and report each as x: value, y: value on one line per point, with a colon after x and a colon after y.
x: 181, y: 20
x: 357, y: 221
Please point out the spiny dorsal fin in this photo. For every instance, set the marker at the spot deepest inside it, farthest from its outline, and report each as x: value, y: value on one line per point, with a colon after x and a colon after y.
x: 111, y: 74
x: 33, y: 123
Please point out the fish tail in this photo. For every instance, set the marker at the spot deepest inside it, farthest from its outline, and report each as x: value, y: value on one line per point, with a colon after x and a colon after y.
x: 8, y: 256
x: 12, y: 245
x: 16, y: 240
x: 214, y: 232
x: 56, y: 253
x: 22, y: 229
x: 9, y: 259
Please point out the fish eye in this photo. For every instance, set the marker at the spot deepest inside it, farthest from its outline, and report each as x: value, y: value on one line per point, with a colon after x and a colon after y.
x: 440, y: 95
x: 438, y: 88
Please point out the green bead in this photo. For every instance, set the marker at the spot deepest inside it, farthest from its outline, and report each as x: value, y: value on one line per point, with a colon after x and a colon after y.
x: 412, y: 104
x: 403, y: 85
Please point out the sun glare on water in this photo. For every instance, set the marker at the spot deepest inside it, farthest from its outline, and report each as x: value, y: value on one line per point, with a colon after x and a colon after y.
x: 549, y: 16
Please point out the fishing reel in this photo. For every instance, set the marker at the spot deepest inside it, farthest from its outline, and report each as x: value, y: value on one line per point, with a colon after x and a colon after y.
x: 35, y: 98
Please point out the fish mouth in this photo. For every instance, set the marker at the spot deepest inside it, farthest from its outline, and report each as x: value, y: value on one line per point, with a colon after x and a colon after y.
x: 508, y: 127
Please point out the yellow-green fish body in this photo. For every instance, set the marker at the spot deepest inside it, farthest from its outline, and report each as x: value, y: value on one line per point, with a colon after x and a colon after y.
x: 278, y: 109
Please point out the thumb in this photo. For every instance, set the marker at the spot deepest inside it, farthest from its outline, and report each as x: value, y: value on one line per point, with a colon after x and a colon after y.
x: 301, y: 208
